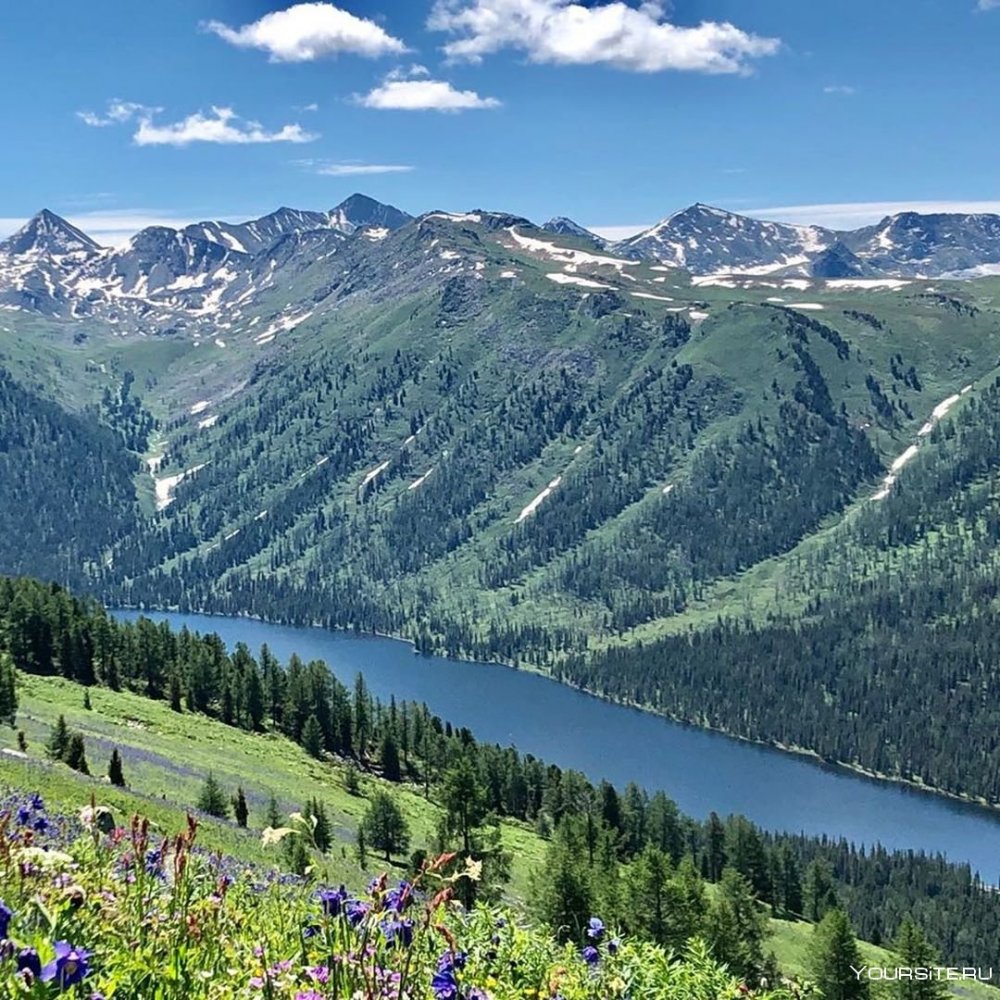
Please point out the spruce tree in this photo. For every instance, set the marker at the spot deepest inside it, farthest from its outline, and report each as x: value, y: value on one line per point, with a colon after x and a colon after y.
x: 563, y: 890
x: 385, y: 827
x: 212, y: 799
x: 241, y: 811
x: 915, y: 952
x: 115, y: 773
x: 389, y: 757
x: 322, y: 836
x: 58, y: 739
x: 8, y: 691
x: 75, y: 754
x: 273, y: 815
x: 312, y: 737
x: 833, y: 953
x: 22, y: 741
x: 818, y: 892
x: 86, y: 699
x: 362, y: 848
x: 737, y: 927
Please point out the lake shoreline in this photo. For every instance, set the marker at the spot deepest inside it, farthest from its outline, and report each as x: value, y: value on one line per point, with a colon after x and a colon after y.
x: 791, y: 750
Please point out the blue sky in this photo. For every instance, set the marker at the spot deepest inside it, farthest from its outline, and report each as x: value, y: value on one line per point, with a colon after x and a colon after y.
x: 612, y: 113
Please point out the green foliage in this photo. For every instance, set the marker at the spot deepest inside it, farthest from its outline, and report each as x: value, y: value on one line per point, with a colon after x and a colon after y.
x: 736, y: 927
x: 835, y: 957
x: 8, y: 691
x: 915, y: 952
x: 58, y: 739
x: 212, y: 799
x: 115, y: 774
x: 75, y: 755
x: 384, y: 825
x: 241, y: 811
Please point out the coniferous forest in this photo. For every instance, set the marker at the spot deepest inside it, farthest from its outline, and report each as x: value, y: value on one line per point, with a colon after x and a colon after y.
x: 606, y: 845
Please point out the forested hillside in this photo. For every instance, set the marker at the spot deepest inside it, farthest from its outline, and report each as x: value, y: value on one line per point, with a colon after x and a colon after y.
x: 513, y: 445
x: 625, y: 853
x: 66, y: 488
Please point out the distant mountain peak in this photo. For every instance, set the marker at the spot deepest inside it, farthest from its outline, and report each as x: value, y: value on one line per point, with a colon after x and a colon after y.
x: 359, y: 211
x: 49, y: 233
x: 562, y: 226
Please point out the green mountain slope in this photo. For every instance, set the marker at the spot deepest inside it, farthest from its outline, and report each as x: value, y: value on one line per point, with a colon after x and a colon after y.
x: 503, y: 443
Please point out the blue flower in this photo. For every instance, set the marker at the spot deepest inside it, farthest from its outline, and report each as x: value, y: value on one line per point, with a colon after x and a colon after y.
x: 398, y: 933
x: 355, y: 911
x: 69, y: 966
x: 28, y: 961
x: 613, y: 945
x: 36, y: 802
x: 595, y: 929
x: 23, y: 816
x: 332, y: 901
x: 590, y: 955
x: 40, y: 825
x: 6, y: 914
x: 445, y: 985
x: 400, y: 898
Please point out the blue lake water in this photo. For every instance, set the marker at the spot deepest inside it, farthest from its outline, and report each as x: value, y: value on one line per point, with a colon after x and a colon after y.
x: 701, y: 771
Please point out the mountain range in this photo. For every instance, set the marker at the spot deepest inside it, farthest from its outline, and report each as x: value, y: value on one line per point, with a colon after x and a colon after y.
x: 518, y: 442
x: 209, y: 273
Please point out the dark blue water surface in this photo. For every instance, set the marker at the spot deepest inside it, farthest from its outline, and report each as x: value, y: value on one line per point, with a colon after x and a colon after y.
x: 701, y: 771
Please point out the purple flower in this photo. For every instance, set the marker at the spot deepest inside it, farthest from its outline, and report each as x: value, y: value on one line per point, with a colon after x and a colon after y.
x: 445, y: 985
x: 36, y: 802
x: 613, y: 945
x: 332, y: 900
x: 23, y: 816
x: 69, y: 966
x: 595, y: 929
x: 590, y: 955
x: 398, y: 933
x: 28, y: 960
x: 400, y: 898
x: 6, y: 914
x: 355, y: 912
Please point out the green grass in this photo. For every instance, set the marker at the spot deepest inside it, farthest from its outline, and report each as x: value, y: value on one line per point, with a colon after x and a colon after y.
x: 166, y: 756
x: 790, y: 943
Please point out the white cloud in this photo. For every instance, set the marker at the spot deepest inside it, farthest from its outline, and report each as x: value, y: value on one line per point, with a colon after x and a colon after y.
x: 988, y: 5
x: 221, y: 125
x: 327, y: 169
x: 851, y: 215
x: 118, y: 113
x: 843, y: 89
x: 308, y: 31
x: 423, y: 95
x: 560, y: 31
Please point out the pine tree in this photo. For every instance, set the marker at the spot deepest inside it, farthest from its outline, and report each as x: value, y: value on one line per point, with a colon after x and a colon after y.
x: 362, y: 848
x: 818, y: 892
x: 241, y: 811
x: 385, y: 826
x: 175, y: 692
x: 833, y: 955
x: 563, y: 890
x: 352, y: 780
x: 273, y: 815
x: 75, y: 754
x: 389, y: 757
x: 737, y: 926
x: 463, y: 801
x: 58, y: 739
x: 115, y: 774
x: 86, y: 699
x: 322, y: 835
x: 212, y: 799
x: 8, y: 691
x: 312, y: 737
x: 915, y: 952
x: 22, y: 741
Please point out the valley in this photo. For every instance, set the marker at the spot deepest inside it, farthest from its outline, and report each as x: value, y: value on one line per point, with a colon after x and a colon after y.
x: 518, y: 443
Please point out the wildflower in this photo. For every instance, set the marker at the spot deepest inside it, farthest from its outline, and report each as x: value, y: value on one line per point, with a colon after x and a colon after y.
x: 590, y: 955
x: 320, y: 974
x: 40, y: 825
x: 613, y: 945
x: 400, y: 898
x: 36, y: 802
x: 444, y: 982
x: 595, y: 929
x: 398, y: 932
x: 355, y: 911
x: 308, y: 995
x: 6, y: 914
x: 69, y: 966
x: 332, y: 900
x: 23, y: 816
x: 28, y: 961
